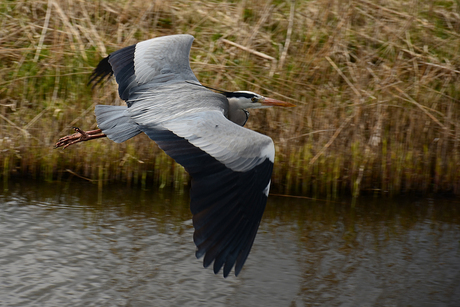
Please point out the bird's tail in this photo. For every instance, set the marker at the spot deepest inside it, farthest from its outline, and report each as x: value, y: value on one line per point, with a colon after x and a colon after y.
x: 116, y: 123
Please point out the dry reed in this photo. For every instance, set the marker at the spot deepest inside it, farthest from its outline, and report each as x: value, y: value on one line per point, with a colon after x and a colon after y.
x: 376, y: 84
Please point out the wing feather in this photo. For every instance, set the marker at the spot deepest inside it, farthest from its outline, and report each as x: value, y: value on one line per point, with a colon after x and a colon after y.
x: 227, y: 194
x: 155, y: 62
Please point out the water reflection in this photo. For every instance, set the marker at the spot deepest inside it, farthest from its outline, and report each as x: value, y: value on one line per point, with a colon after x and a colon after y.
x: 67, y: 245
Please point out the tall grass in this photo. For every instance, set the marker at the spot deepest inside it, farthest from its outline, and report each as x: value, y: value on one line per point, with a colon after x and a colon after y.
x: 376, y: 84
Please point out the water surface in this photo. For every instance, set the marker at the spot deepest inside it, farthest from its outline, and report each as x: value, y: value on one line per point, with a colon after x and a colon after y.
x: 70, y: 244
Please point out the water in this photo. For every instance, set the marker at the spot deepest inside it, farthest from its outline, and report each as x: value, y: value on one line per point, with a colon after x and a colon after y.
x: 72, y: 245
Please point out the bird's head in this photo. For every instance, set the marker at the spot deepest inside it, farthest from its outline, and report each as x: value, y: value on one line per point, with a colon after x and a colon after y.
x: 250, y: 100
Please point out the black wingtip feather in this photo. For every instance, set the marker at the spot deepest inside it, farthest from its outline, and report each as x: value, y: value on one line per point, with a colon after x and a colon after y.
x: 227, y: 225
x: 220, y: 240
x: 232, y: 245
x: 102, y: 71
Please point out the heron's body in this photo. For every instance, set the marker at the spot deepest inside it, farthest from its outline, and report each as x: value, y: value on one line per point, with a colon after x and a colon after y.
x: 230, y: 166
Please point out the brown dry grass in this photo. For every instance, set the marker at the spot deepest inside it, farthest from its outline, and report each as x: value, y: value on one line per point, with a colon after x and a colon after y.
x: 376, y: 84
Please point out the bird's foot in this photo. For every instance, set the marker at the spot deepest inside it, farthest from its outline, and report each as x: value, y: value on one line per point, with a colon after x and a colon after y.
x: 79, y: 136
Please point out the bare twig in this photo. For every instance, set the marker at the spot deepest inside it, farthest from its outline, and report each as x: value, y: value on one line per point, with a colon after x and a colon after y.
x: 79, y: 176
x: 97, y: 38
x: 310, y: 133
x: 72, y: 123
x: 45, y: 27
x: 26, y: 134
x: 331, y: 140
x: 411, y: 100
x: 288, y: 36
x: 344, y: 77
x: 137, y: 23
x: 69, y: 26
x: 29, y: 124
x: 259, y: 54
x: 442, y: 67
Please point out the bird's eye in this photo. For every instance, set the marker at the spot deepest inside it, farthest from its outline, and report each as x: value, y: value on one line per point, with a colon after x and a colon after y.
x: 254, y: 99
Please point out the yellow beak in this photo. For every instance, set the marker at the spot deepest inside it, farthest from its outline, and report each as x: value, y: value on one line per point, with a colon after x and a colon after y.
x: 276, y: 103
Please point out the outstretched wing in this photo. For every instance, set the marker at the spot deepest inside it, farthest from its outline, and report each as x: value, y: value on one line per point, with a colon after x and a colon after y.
x: 147, y: 65
x: 230, y: 168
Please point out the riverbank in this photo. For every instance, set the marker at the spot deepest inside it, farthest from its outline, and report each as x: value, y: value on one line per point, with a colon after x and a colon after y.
x: 376, y: 84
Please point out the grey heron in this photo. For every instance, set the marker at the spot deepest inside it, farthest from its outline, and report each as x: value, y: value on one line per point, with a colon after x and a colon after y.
x: 230, y: 166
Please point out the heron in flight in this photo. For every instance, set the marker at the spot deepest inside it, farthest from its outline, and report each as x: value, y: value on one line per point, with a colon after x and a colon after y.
x: 230, y: 166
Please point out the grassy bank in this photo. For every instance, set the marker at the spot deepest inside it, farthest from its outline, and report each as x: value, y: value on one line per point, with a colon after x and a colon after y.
x: 376, y: 84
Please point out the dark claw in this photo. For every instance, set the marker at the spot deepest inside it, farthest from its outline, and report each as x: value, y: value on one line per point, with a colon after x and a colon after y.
x: 68, y: 140
x: 78, y: 136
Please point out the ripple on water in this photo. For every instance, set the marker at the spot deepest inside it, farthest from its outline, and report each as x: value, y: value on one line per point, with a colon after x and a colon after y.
x: 60, y: 247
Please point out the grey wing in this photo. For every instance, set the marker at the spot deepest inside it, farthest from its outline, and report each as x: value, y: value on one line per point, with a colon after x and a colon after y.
x: 148, y: 65
x: 230, y: 167
x: 151, y: 72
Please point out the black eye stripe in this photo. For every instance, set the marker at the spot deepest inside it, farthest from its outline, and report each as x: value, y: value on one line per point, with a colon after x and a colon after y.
x: 237, y: 95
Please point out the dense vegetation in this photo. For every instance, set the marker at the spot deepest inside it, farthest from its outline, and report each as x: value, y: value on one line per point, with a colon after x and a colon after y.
x: 376, y: 84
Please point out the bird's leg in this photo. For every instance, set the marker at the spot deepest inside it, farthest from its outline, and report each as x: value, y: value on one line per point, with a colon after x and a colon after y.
x: 79, y: 136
